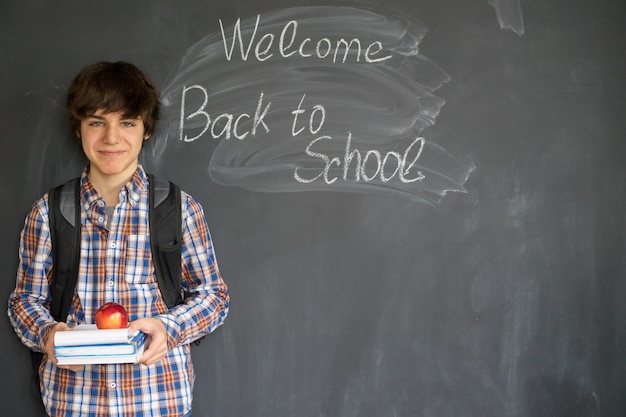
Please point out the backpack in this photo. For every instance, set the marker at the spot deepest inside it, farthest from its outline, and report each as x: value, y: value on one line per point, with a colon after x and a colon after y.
x: 165, y: 219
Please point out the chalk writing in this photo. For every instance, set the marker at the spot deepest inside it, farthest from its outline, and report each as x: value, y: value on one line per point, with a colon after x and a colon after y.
x: 226, y: 125
x: 315, y: 123
x: 358, y: 76
x: 287, y: 45
x: 403, y: 165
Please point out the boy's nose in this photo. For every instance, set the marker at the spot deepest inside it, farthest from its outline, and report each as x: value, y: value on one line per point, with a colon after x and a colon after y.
x: 111, y: 135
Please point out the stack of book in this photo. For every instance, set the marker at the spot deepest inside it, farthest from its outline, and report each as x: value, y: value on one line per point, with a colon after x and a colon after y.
x: 86, y: 344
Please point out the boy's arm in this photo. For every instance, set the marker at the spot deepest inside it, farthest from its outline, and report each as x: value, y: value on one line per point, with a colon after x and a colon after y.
x: 206, y: 307
x: 28, y: 310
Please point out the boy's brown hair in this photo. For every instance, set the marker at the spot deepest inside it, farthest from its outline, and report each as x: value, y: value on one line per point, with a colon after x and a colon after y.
x: 113, y: 87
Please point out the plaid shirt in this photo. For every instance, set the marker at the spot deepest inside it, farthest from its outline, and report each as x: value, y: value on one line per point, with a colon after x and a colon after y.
x: 116, y: 265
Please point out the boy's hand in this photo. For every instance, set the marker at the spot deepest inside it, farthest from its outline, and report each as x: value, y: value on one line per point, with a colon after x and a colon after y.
x: 156, y: 343
x: 49, y: 346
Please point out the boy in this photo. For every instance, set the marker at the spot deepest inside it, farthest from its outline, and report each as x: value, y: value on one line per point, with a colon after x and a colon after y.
x: 113, y: 109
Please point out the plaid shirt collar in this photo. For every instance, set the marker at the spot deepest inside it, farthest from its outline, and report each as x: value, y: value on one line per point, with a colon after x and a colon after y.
x: 133, y: 189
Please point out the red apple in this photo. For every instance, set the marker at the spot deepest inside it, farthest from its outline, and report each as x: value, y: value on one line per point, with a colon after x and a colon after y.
x: 111, y: 316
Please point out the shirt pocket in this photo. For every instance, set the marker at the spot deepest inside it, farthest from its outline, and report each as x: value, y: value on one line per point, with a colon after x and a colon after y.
x: 138, y: 268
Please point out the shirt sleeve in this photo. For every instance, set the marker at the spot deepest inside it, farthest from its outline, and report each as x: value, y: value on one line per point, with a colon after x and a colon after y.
x: 207, y: 302
x: 29, y: 303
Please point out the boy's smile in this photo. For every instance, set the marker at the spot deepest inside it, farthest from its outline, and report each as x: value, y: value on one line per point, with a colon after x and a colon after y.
x: 112, y: 143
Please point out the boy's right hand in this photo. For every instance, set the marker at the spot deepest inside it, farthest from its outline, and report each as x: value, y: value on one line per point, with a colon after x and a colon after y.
x: 49, y: 346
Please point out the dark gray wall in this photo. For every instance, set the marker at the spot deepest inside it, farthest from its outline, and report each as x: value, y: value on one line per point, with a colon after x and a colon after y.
x: 494, y: 286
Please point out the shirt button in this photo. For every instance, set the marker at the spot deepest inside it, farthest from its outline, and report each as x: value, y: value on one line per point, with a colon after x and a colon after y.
x: 112, y: 385
x: 111, y: 283
x: 113, y: 245
x: 100, y: 219
x: 100, y: 203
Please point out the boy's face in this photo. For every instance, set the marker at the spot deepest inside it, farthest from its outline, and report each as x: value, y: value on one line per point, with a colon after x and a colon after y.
x: 112, y: 144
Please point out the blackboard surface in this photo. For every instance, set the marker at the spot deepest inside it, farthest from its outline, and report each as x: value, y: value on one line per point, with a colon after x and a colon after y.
x: 418, y: 205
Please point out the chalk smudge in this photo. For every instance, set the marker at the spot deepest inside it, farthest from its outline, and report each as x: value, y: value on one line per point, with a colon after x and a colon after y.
x: 509, y: 14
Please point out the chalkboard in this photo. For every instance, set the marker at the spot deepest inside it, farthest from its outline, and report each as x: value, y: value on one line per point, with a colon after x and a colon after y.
x: 418, y: 205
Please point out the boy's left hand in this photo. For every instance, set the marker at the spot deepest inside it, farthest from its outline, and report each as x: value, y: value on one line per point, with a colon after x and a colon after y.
x: 156, y: 342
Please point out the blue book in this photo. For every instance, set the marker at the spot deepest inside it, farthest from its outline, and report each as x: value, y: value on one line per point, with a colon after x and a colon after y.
x: 102, y: 348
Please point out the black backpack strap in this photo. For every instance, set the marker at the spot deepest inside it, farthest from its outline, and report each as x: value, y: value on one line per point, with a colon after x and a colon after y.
x: 64, y: 216
x: 64, y: 221
x: 166, y: 237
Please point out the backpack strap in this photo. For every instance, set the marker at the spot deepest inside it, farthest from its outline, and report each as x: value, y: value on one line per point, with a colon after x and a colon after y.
x: 64, y: 217
x: 166, y: 237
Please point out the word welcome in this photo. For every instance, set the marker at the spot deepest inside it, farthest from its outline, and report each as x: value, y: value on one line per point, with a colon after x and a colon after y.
x: 289, y: 45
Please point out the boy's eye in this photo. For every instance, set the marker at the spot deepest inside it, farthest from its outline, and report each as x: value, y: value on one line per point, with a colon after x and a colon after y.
x: 128, y: 124
x: 95, y: 123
